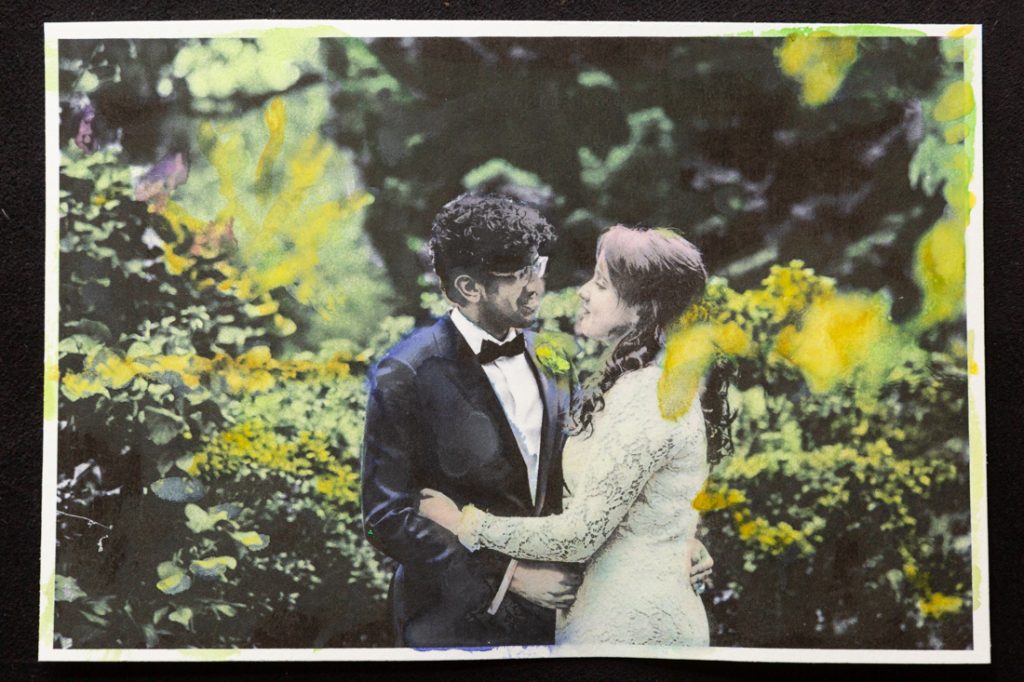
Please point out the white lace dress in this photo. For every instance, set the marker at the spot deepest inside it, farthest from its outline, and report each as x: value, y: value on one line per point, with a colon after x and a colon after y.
x: 628, y: 514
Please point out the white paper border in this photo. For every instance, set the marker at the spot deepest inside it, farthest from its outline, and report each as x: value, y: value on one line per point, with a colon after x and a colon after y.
x: 981, y: 651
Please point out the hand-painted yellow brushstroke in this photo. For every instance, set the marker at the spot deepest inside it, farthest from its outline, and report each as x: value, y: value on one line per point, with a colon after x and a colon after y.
x: 274, y: 117
x: 688, y: 353
x: 819, y: 61
x: 936, y: 605
x: 839, y: 335
x: 956, y: 101
x: 940, y: 266
x: 972, y: 364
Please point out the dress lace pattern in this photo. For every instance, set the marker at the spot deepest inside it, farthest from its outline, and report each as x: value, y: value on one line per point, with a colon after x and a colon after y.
x: 628, y: 514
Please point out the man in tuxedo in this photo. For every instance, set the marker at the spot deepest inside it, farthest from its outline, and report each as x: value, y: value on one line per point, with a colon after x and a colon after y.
x: 464, y: 407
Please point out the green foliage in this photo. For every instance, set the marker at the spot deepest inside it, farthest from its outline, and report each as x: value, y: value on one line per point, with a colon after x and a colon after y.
x: 243, y: 523
x: 292, y: 201
x: 211, y: 413
x: 712, y: 136
x: 217, y: 70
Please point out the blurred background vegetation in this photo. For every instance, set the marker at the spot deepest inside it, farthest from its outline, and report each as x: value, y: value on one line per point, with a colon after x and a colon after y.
x: 242, y: 235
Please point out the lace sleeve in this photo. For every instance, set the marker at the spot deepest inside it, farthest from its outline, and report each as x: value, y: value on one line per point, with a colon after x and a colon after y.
x: 630, y: 441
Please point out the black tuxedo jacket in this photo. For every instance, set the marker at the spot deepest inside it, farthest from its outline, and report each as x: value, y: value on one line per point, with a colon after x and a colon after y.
x: 434, y: 421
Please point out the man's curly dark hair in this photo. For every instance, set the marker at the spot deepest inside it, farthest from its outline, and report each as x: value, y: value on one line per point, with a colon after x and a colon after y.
x: 478, y: 233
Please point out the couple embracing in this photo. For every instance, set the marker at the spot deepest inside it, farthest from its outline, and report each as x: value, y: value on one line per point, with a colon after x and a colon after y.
x: 520, y: 511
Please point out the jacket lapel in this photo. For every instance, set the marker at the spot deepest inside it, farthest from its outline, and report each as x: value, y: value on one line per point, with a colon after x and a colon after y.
x: 466, y: 373
x: 549, y: 429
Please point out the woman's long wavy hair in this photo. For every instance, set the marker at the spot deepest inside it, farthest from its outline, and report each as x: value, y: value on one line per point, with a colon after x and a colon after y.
x: 661, y: 274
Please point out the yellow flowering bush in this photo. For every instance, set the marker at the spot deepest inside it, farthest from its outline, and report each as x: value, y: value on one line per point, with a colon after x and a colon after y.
x: 834, y: 490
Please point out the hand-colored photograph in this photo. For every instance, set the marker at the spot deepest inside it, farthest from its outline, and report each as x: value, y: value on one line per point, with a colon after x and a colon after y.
x: 434, y: 340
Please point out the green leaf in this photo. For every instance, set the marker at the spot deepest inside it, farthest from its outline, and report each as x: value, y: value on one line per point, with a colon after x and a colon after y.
x: 67, y: 589
x: 226, y: 609
x: 152, y: 639
x: 251, y: 540
x: 200, y: 521
x: 182, y: 615
x: 157, y: 390
x: 80, y: 344
x: 145, y: 348
x: 168, y: 568
x: 177, y: 489
x: 164, y: 426
x: 93, y: 618
x: 233, y: 336
x: 91, y: 328
x: 101, y: 606
x: 212, y: 567
x: 185, y: 462
x: 232, y: 509
x: 88, y: 82
x: 175, y: 584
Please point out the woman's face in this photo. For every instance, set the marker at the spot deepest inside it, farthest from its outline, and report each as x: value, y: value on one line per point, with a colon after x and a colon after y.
x: 602, y: 314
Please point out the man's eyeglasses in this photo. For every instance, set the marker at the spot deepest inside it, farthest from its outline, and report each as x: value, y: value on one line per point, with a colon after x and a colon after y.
x: 536, y: 269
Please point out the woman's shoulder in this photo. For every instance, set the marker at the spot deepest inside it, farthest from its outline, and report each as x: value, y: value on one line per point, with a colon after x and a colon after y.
x: 633, y: 409
x: 636, y: 390
x: 636, y: 393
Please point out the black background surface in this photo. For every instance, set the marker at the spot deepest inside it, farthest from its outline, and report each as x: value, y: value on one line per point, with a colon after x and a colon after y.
x: 22, y: 234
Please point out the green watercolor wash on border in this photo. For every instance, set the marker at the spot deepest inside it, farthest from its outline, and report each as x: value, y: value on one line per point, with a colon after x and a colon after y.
x: 845, y: 31
x: 51, y: 73
x: 51, y: 382
x: 977, y: 484
x: 318, y: 31
x: 976, y: 446
x: 47, y: 611
x: 975, y: 431
x: 975, y: 586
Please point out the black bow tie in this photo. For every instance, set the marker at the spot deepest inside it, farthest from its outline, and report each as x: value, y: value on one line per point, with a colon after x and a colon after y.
x: 490, y: 351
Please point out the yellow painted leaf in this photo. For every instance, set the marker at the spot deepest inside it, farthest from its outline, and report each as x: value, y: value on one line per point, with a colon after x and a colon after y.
x: 76, y: 386
x: 173, y: 363
x: 940, y: 270
x: 283, y: 325
x: 258, y: 356
x: 274, y: 117
x: 938, y: 605
x: 819, y: 61
x: 259, y: 380
x: 957, y: 100
x: 213, y: 567
x: 251, y: 539
x: 174, y: 263
x: 174, y: 583
x: 262, y: 309
x: 114, y: 370
x: 955, y: 133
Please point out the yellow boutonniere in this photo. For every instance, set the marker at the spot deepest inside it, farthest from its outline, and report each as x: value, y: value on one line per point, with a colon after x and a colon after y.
x: 553, y: 351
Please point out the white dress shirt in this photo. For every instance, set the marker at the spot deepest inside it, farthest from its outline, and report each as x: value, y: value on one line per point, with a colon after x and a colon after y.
x: 514, y: 384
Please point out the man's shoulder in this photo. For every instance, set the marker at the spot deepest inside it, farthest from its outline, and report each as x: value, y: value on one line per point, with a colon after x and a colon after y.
x: 420, y: 345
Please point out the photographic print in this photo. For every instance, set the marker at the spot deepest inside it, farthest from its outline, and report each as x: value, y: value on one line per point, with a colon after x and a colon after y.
x: 430, y: 340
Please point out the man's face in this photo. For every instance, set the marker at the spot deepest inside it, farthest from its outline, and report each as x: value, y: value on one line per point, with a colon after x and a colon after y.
x: 513, y: 299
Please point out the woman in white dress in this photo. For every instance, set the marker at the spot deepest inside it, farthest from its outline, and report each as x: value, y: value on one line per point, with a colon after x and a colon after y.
x: 631, y: 475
